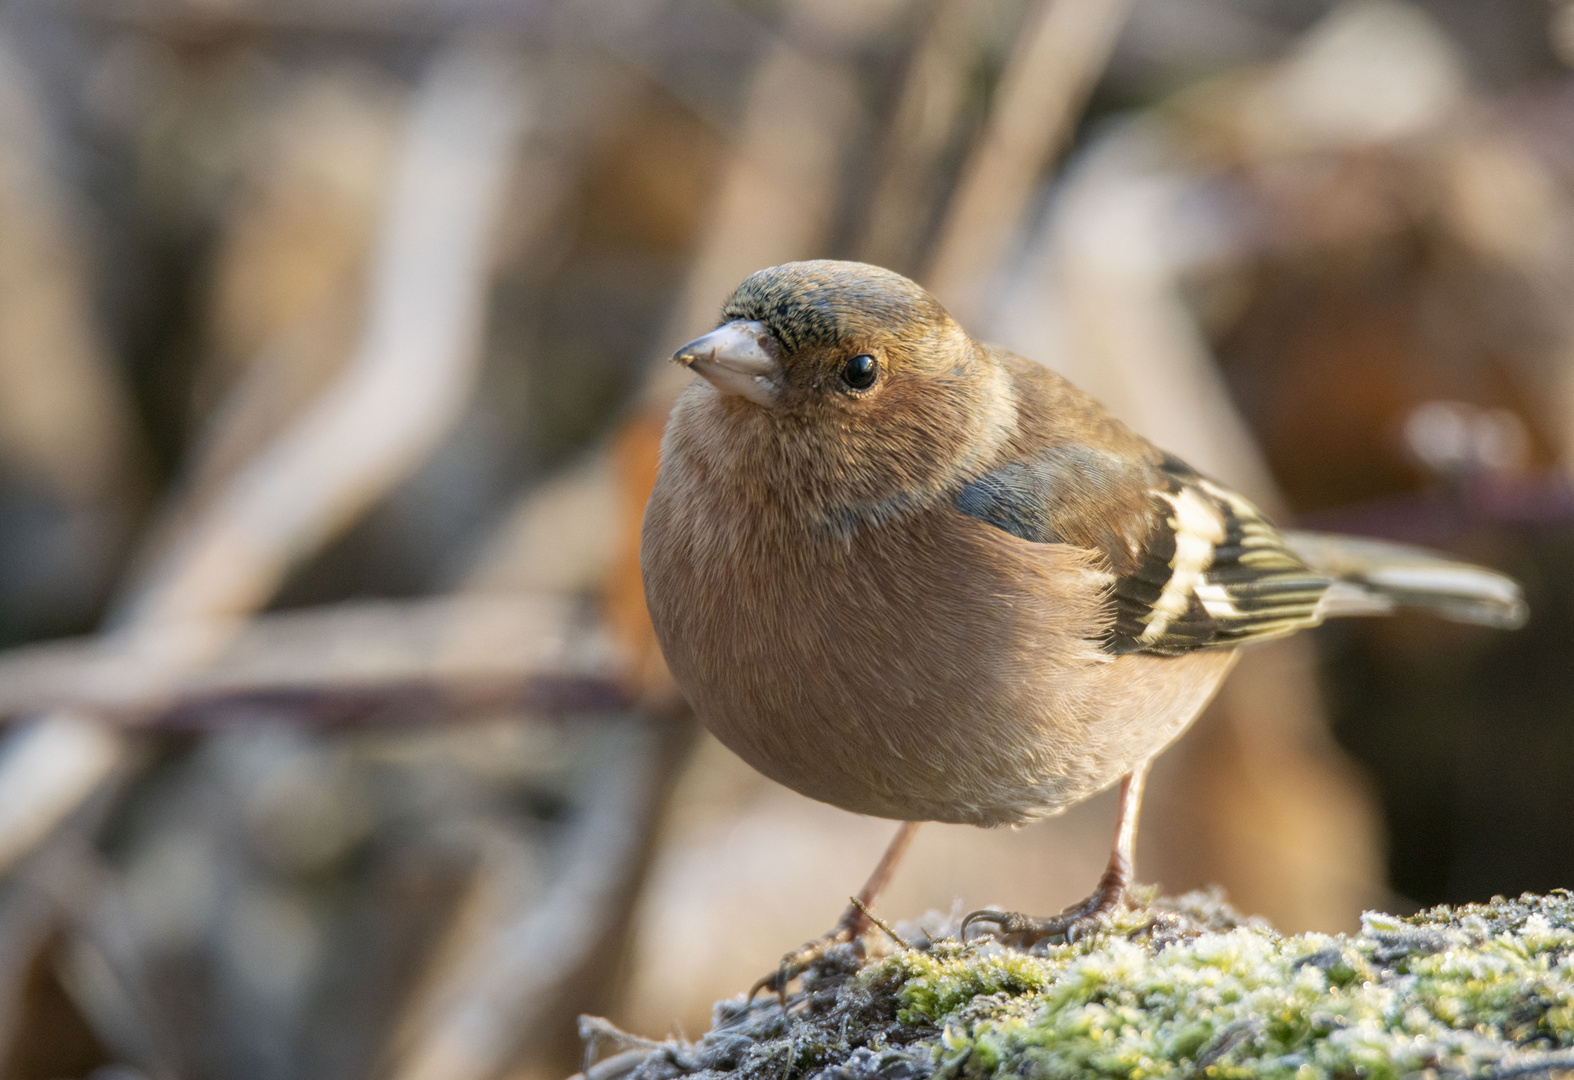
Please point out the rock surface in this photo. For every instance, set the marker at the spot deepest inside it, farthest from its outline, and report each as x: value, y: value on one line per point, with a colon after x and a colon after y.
x: 1184, y: 988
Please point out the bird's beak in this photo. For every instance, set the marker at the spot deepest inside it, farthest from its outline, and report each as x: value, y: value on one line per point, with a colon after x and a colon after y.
x: 738, y: 358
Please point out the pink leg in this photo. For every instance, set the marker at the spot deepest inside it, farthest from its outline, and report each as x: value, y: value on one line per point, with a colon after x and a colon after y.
x: 852, y: 924
x: 854, y: 921
x: 1110, y: 894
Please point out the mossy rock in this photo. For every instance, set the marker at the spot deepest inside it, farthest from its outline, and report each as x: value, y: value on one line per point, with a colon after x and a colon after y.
x: 1179, y: 989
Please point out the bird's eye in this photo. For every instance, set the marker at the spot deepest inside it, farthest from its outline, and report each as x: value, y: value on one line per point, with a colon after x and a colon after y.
x: 861, y: 371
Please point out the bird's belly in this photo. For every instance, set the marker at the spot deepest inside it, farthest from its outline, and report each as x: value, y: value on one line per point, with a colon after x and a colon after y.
x: 1030, y: 754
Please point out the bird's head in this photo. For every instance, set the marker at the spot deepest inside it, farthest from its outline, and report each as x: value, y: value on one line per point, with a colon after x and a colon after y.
x: 856, y: 377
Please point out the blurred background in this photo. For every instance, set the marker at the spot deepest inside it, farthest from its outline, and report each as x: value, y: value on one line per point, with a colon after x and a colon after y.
x: 333, y: 344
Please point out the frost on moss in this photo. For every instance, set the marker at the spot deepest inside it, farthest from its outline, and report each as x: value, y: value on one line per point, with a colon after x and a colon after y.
x: 1184, y: 989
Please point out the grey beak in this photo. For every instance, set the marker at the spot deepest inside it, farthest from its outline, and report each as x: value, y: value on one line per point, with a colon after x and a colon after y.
x: 738, y: 358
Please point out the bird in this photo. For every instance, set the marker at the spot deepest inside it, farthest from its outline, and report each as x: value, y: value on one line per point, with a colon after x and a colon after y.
x: 920, y: 577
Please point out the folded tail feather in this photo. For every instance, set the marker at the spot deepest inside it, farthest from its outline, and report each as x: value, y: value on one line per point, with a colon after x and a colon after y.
x: 1373, y: 577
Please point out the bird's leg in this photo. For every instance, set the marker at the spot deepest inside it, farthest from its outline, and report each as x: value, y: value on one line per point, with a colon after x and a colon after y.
x: 1025, y: 930
x: 853, y: 923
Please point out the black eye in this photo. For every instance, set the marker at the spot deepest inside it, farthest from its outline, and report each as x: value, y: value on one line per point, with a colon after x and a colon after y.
x: 860, y: 371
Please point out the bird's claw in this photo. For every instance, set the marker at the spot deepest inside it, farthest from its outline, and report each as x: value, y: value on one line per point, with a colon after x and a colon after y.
x: 1025, y: 931
x: 1006, y: 922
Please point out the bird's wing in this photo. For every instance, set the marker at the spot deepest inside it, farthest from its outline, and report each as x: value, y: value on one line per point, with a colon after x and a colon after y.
x: 1195, y: 565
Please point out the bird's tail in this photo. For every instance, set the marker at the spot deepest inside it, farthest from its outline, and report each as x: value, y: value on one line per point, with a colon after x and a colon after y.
x: 1373, y: 577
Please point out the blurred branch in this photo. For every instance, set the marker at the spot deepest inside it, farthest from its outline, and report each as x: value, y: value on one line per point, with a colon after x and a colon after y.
x: 67, y: 428
x: 342, y: 662
x: 501, y: 977
x: 415, y: 367
x: 412, y: 373
x: 646, y: 36
x: 100, y: 963
x: 560, y: 536
x: 290, y: 273
x: 928, y: 109
x: 1063, y: 47
x: 63, y: 414
x: 28, y: 923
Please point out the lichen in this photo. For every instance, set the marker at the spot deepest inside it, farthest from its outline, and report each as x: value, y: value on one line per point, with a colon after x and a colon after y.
x: 1182, y: 989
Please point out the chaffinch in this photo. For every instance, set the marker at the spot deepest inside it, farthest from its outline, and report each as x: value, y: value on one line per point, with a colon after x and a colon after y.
x: 920, y: 577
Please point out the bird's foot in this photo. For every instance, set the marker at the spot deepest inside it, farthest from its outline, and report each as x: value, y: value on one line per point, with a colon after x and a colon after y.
x: 1078, y: 920
x: 848, y: 930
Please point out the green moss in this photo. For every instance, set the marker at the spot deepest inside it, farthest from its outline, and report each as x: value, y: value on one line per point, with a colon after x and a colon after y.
x: 1458, y: 990
x: 1473, y: 991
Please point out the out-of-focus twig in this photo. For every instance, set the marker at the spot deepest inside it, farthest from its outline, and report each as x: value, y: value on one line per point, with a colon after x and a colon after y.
x: 102, y: 967
x: 928, y: 108
x: 28, y: 922
x: 290, y: 274
x: 414, y: 368
x: 560, y: 536
x: 66, y: 422
x: 411, y: 374
x: 1063, y: 47
x: 477, y: 649
x: 501, y: 977
x: 63, y: 416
